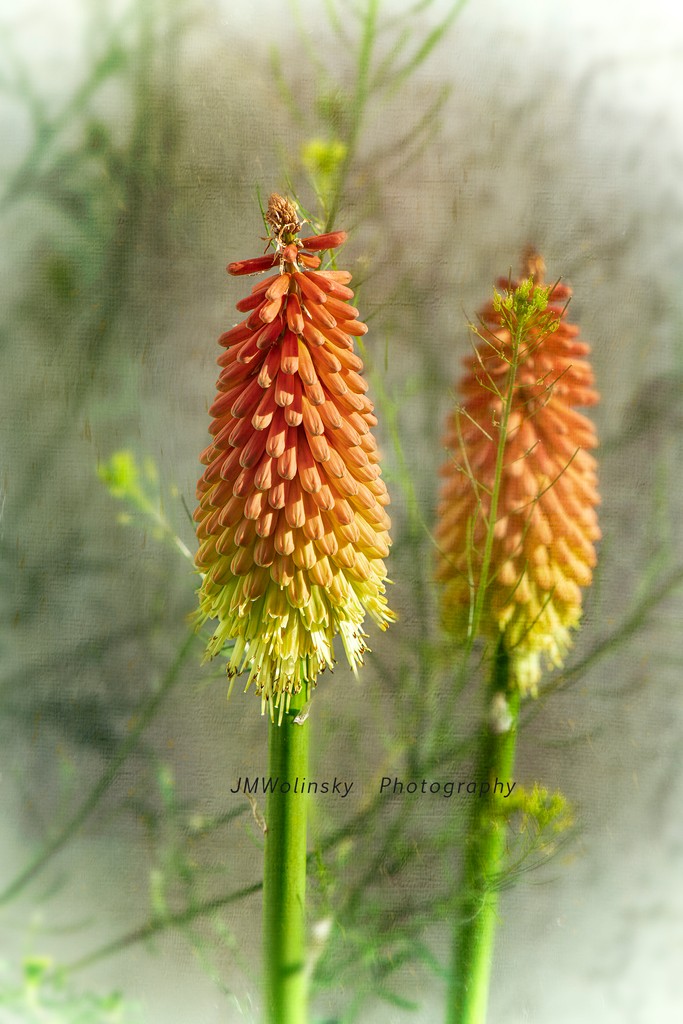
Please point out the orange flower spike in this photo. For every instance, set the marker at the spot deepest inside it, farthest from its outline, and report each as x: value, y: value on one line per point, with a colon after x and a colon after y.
x: 291, y: 519
x: 517, y: 520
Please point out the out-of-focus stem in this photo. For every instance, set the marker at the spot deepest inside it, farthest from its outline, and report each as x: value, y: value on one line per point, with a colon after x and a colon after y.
x: 284, y: 880
x: 142, y: 719
x: 474, y: 934
x: 358, y: 106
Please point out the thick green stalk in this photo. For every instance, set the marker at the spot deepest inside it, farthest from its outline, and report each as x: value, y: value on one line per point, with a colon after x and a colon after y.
x: 484, y: 860
x: 284, y: 880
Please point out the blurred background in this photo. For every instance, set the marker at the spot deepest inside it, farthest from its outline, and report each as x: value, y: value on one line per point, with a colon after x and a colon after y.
x: 138, y: 137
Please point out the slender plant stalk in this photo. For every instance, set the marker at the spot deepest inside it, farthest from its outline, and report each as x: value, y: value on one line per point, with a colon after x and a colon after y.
x: 284, y: 879
x: 517, y: 338
x: 358, y: 106
x: 158, y: 925
x: 484, y: 858
x: 142, y: 719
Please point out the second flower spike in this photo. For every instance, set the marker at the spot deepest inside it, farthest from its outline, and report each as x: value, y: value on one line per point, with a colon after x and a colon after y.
x: 291, y: 518
x: 517, y: 521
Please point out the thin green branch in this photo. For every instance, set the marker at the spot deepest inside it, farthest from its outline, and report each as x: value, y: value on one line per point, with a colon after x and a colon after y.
x: 382, y: 76
x: 143, y: 719
x: 628, y: 628
x: 358, y: 105
x: 308, y: 43
x: 162, y: 923
x: 336, y: 21
x: 407, y: 148
x: 478, y: 609
x: 432, y: 39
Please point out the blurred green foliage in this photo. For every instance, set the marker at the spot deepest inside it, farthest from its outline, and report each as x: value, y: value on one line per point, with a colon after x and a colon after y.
x: 138, y: 486
x: 42, y: 995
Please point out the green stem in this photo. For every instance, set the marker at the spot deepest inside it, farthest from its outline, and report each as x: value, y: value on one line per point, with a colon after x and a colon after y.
x: 358, y: 105
x: 484, y: 860
x: 360, y: 824
x: 516, y: 338
x: 284, y: 879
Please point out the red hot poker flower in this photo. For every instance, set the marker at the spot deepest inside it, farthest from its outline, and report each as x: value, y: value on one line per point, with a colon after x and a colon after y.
x: 291, y: 518
x: 524, y: 379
